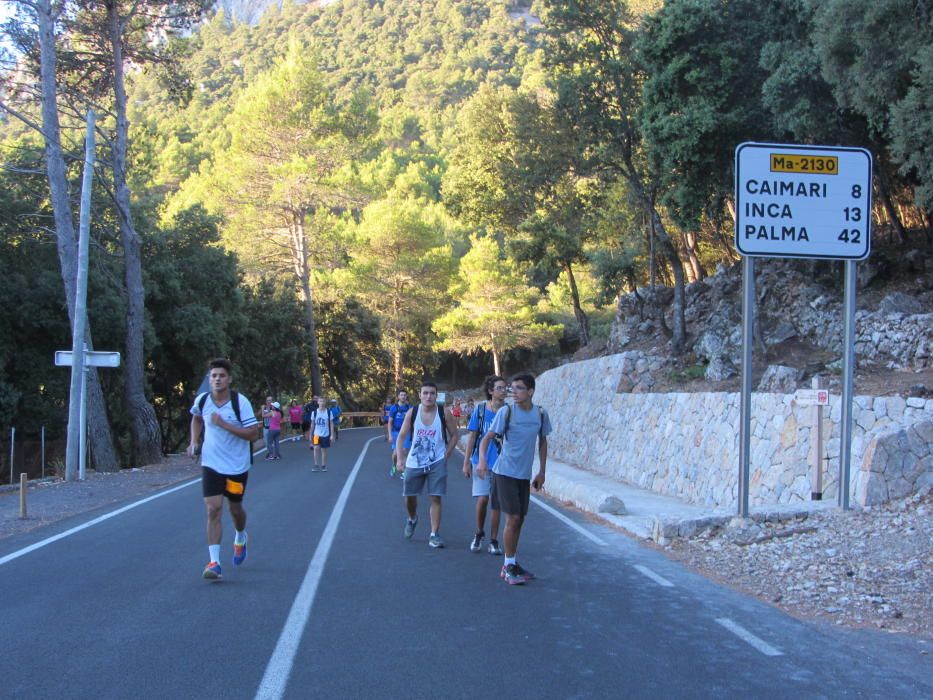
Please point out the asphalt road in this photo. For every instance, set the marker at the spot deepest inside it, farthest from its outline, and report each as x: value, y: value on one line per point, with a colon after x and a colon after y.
x: 333, y: 602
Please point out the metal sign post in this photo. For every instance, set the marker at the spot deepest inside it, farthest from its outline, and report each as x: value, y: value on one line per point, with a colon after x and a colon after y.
x: 65, y: 358
x: 796, y: 201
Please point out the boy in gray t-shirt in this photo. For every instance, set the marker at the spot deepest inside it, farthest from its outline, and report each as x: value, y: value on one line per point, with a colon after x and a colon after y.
x: 521, y: 426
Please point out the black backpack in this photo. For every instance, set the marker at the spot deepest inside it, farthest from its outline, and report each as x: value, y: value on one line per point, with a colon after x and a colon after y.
x: 440, y: 408
x: 235, y: 400
x: 480, y: 419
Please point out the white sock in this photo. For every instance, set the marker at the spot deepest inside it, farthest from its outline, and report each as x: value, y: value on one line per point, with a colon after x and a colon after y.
x: 214, y: 549
x: 240, y: 537
x: 509, y: 560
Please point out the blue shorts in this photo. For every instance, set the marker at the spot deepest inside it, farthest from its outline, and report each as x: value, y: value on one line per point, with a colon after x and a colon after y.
x: 395, y: 440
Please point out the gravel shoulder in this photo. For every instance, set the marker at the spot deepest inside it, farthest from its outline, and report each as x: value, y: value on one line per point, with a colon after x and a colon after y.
x: 866, y: 568
x: 49, y: 501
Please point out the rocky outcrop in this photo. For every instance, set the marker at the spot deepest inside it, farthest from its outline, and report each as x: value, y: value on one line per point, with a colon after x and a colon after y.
x: 793, y: 299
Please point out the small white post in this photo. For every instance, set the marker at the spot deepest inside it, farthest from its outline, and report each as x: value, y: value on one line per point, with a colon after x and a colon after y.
x: 816, y: 464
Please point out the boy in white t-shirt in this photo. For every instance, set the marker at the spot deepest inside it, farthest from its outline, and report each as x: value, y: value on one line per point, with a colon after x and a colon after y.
x: 225, y: 459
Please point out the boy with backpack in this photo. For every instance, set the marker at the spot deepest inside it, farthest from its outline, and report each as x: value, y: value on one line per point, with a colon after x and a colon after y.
x: 228, y: 425
x: 519, y: 426
x: 425, y: 467
x: 322, y: 431
x: 480, y: 422
x: 394, y: 421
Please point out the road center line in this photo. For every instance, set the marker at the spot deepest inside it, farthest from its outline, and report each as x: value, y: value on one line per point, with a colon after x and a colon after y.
x: 748, y: 637
x: 657, y: 578
x: 279, y: 668
x: 95, y: 521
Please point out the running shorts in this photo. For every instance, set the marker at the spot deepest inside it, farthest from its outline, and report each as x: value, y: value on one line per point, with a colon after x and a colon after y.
x: 233, y: 486
x: 510, y: 495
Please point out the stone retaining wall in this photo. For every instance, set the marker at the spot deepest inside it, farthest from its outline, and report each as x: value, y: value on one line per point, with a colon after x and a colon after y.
x: 687, y: 445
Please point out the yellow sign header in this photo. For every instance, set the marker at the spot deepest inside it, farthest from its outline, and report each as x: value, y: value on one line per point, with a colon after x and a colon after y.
x: 809, y: 165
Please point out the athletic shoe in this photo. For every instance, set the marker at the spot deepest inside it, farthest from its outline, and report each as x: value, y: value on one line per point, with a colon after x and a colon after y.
x: 212, y: 571
x: 410, y: 527
x: 527, y: 575
x: 392, y: 470
x: 323, y: 467
x: 239, y: 553
x: 477, y: 544
x: 511, y: 575
x: 435, y: 541
x: 494, y: 547
x: 315, y: 468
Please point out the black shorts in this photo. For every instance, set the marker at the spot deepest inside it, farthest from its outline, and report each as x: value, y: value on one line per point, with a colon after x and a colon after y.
x: 510, y: 495
x: 295, y: 426
x: 233, y: 486
x: 305, y: 426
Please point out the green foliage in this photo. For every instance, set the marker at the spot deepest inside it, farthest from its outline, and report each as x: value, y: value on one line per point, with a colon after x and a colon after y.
x: 495, y: 307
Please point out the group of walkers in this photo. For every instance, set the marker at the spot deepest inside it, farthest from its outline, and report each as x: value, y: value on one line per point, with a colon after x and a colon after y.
x: 499, y: 457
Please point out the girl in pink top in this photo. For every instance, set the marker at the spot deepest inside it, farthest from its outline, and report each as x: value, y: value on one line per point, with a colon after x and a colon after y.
x: 294, y: 417
x: 275, y: 430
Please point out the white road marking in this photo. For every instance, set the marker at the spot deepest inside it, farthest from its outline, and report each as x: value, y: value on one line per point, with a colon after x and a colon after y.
x: 658, y: 579
x: 38, y: 545
x: 749, y: 638
x: 279, y: 668
x: 563, y: 518
x: 567, y: 521
x: 95, y: 521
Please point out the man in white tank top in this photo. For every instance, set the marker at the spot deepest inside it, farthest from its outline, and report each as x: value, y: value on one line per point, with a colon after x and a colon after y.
x: 433, y: 437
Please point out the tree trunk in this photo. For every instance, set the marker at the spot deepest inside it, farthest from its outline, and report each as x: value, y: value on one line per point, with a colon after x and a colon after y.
x: 103, y: 454
x: 496, y: 367
x: 582, y: 321
x: 679, y: 306
x: 899, y: 235
x: 144, y: 425
x: 304, y: 278
x: 690, y: 245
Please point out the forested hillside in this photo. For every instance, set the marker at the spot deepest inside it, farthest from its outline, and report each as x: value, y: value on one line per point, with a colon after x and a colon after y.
x: 346, y: 196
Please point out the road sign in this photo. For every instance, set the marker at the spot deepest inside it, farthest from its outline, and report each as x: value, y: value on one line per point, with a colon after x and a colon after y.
x: 802, y: 201
x: 812, y: 397
x: 92, y: 358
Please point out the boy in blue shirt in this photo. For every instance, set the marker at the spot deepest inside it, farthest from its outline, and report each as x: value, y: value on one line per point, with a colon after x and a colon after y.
x: 394, y: 423
x: 480, y: 421
x: 520, y: 426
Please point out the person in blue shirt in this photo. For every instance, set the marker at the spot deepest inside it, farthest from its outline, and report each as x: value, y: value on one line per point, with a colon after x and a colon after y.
x: 479, y: 424
x: 335, y: 417
x: 394, y: 424
x: 521, y: 426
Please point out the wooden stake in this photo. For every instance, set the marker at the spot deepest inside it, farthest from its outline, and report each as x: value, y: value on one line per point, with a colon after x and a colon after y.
x: 22, y: 495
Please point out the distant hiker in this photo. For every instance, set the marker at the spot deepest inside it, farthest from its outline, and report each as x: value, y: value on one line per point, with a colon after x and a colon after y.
x: 394, y: 424
x: 227, y: 423
x: 294, y: 417
x: 321, y: 431
x: 519, y: 426
x: 335, y: 413
x: 275, y: 431
x: 384, y: 420
x: 434, y: 438
x: 266, y: 411
x: 479, y: 423
x: 306, y: 412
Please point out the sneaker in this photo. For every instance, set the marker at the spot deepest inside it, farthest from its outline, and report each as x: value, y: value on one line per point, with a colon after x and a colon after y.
x: 323, y: 467
x: 239, y: 553
x: 392, y: 470
x: 527, y: 575
x: 315, y: 468
x: 212, y: 571
x: 477, y: 544
x: 511, y: 575
x: 435, y: 541
x: 494, y: 547
x: 410, y: 527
